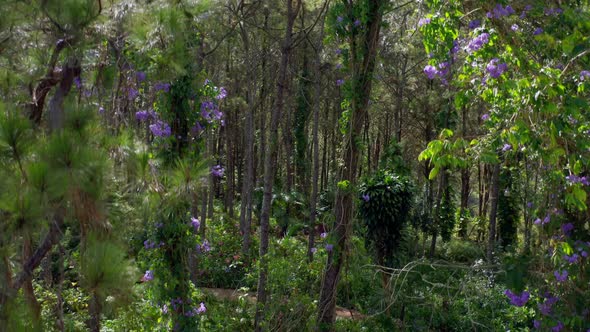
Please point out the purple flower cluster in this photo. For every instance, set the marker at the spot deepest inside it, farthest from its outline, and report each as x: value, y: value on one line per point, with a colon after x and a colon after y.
x: 329, y: 247
x: 526, y: 9
x: 222, y: 94
x: 148, y: 276
x: 217, y: 171
x: 430, y: 71
x: 423, y: 21
x: 567, y: 228
x: 339, y: 82
x: 474, y: 24
x: 577, y: 179
x: 545, y: 220
x: 547, y: 305
x: 196, y: 311
x: 78, y: 82
x: 496, y: 69
x: 558, y: 327
x: 159, y: 86
x: 553, y: 11
x: 584, y: 74
x: 572, y: 259
x: 132, y: 94
x: 140, y: 76
x: 485, y: 117
x: 324, y: 235
x: 145, y: 115
x: 478, y: 42
x: 537, y: 31
x: 148, y: 244
x: 161, y: 129
x: 204, y: 247
x: 561, y: 277
x: 500, y: 11
x: 506, y: 147
x: 366, y: 197
x: 517, y: 300
x: 210, y: 112
x: 195, y: 223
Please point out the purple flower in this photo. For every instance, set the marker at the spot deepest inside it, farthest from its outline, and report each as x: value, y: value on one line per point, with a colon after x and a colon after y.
x: 339, y: 19
x: 165, y: 309
x: 547, y: 219
x: 537, y: 31
x: 529, y: 205
x: 195, y: 223
x: 101, y: 110
x: 202, y: 308
x: 339, y: 82
x: 423, y: 21
x: 205, y: 246
x: 314, y: 250
x: 474, y: 24
x: 506, y: 147
x: 217, y: 171
x: 430, y: 71
x: 537, y: 324
x: 161, y: 129
x: 478, y: 42
x: 78, y: 82
x: 329, y: 247
x: 517, y: 300
x: 357, y: 22
x: 222, y: 93
x: 495, y: 69
x: 573, y: 259
x: 567, y: 228
x: 537, y: 221
x: 557, y: 327
x: 366, y: 197
x: 132, y: 94
x: 547, y: 305
x: 324, y: 235
x: 147, y: 244
x: 339, y: 51
x: 485, y: 117
x: 162, y: 86
x: 207, y: 81
x: 140, y: 76
x: 148, y: 276
x: 561, y: 277
x: 142, y: 115
x: 514, y: 27
x: 197, y: 128
x: 553, y: 11
x: 338, y: 65
x: 584, y: 74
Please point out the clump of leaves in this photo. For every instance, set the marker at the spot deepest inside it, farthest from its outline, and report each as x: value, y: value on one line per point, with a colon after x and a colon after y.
x: 386, y: 201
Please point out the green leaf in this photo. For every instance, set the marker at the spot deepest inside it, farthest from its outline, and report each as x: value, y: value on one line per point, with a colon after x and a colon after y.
x: 433, y: 173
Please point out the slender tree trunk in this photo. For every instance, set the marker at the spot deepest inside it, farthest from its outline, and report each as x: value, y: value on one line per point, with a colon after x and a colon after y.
x: 493, y: 211
x: 247, y: 182
x: 317, y: 85
x: 28, y: 284
x: 270, y: 161
x: 362, y: 70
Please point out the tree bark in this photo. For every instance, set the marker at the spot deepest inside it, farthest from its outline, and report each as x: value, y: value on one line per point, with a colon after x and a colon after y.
x: 362, y: 77
x: 270, y: 163
x: 493, y: 211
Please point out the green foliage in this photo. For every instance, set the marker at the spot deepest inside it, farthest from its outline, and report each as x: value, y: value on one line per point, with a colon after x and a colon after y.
x: 386, y: 201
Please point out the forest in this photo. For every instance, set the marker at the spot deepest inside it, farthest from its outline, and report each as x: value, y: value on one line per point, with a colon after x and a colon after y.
x: 294, y: 165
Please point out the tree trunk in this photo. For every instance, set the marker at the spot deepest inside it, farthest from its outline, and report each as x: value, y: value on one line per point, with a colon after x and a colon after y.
x: 248, y: 180
x: 362, y: 70
x: 270, y: 161
x: 493, y: 211
x: 315, y: 141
